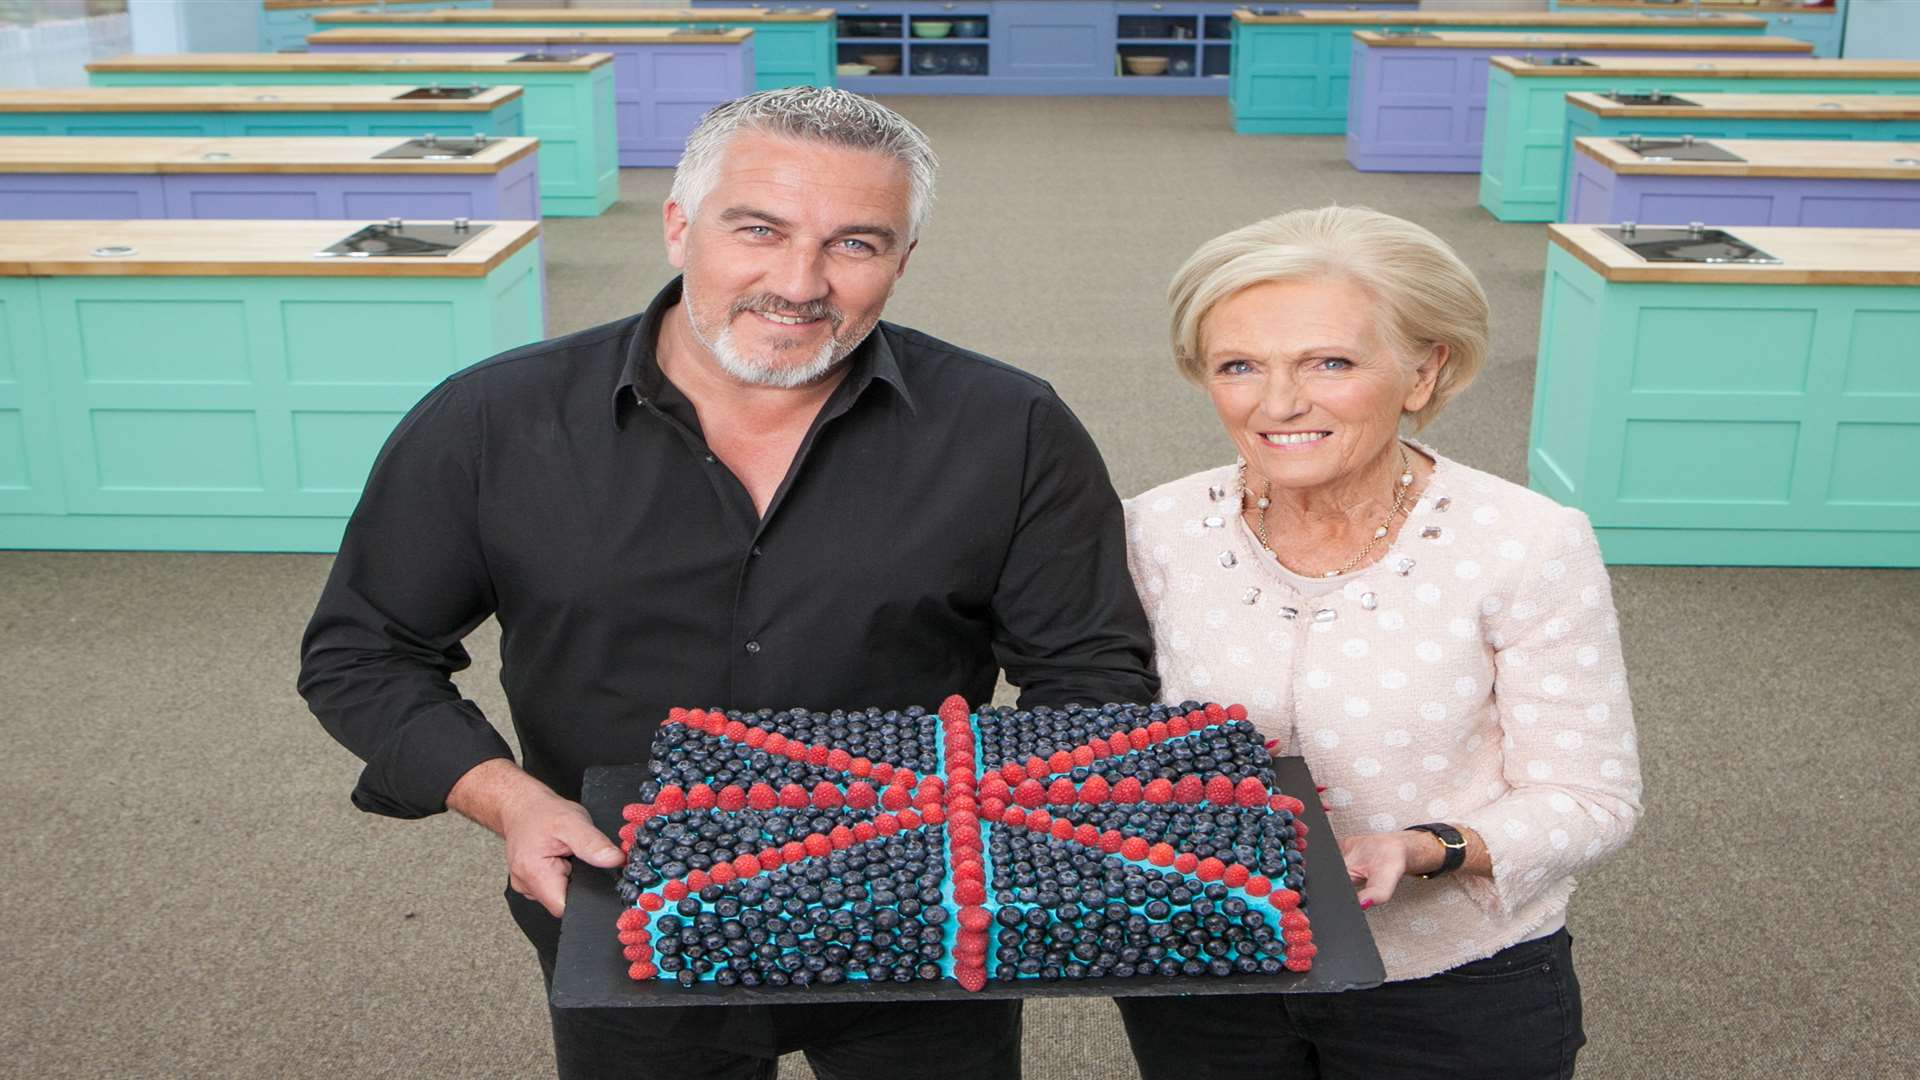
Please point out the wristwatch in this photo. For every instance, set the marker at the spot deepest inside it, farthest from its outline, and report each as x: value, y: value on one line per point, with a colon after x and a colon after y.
x: 1450, y: 839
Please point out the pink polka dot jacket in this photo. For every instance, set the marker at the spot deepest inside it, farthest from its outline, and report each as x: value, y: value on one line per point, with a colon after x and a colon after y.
x: 1473, y: 675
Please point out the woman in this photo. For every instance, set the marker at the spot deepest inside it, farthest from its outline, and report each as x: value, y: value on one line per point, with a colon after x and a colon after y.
x: 1439, y: 644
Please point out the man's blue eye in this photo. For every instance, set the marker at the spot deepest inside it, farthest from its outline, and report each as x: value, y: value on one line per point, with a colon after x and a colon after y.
x: 858, y: 246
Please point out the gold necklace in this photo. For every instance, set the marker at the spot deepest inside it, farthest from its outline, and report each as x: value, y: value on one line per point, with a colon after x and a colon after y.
x: 1401, y: 489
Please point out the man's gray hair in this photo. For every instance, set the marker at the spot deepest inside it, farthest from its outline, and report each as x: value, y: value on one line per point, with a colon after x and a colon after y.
x: 834, y: 117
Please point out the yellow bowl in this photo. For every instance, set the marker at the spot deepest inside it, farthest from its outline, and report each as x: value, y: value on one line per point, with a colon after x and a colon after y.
x: 1146, y: 65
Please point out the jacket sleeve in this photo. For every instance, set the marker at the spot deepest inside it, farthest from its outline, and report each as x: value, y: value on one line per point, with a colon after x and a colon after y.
x: 1068, y: 626
x: 409, y: 584
x: 1569, y: 751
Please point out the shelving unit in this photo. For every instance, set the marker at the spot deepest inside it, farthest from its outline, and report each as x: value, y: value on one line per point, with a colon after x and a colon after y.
x: 923, y: 45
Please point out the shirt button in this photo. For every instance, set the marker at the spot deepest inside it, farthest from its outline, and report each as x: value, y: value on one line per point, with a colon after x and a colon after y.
x: 711, y: 459
x: 756, y: 551
x: 753, y: 646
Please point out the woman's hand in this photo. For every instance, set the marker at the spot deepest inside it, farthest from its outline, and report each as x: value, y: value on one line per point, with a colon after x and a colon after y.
x: 1377, y: 861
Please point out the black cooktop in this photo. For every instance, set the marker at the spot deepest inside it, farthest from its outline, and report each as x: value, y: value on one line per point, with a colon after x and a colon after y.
x: 1651, y: 97
x: 436, y: 92
x: 1693, y: 244
x: 1684, y: 148
x: 543, y: 58
x: 1563, y: 60
x: 397, y: 238
x: 434, y: 148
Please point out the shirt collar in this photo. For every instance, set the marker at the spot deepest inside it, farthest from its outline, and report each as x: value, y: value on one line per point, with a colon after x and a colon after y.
x: 641, y: 378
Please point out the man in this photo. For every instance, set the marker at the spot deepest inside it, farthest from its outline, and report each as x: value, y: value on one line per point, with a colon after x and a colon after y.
x: 755, y: 494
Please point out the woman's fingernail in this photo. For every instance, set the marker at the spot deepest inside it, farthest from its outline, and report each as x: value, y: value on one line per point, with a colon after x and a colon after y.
x: 1271, y: 743
x: 1367, y: 903
x: 1319, y: 787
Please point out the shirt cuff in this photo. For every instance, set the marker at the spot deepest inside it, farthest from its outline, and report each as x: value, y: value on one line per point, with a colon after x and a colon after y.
x: 411, y: 774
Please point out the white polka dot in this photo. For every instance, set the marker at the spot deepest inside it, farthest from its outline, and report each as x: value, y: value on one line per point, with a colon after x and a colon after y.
x: 1156, y: 584
x: 1514, y: 828
x: 1558, y: 838
x: 1428, y: 651
x: 1327, y: 738
x: 1628, y: 742
x: 1553, y: 570
x: 1534, y: 874
x: 1439, y: 808
x: 1266, y: 699
x: 1238, y: 656
x: 1525, y: 609
x: 1162, y: 554
x: 1554, y: 685
x: 1466, y: 686
x: 1464, y: 628
x: 1590, y: 596
x: 1490, y: 605
x: 1338, y: 797
x: 1557, y: 629
x: 1354, y: 648
x: 1193, y: 528
x: 1407, y: 792
x: 1485, y: 515
x: 1568, y: 740
x: 1357, y: 707
x: 1475, y: 741
x: 1366, y: 766
x: 1391, y: 620
x: 1516, y: 657
x: 1466, y: 570
x: 1381, y: 822
x: 1187, y: 583
x: 1200, y: 677
x: 1611, y: 769
x: 1539, y: 770
x: 1497, y: 639
x: 1398, y: 737
x: 1449, y: 899
x: 1586, y: 656
x: 1617, y: 682
x: 1526, y: 715
x: 1595, y: 848
x: 1598, y: 713
x: 1393, y: 957
x: 1428, y: 593
x: 1433, y: 762
x: 1179, y: 640
x: 1599, y: 816
x: 1424, y: 925
x: 1279, y: 640
x: 1433, y: 712
x: 1512, y: 550
x: 1506, y: 741
x: 1163, y: 504
x: 1319, y: 679
x: 1495, y: 790
x: 1561, y: 803
x: 1216, y: 618
x: 1393, y: 679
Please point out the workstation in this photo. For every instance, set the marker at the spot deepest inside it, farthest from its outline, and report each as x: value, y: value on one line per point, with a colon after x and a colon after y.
x: 262, y: 110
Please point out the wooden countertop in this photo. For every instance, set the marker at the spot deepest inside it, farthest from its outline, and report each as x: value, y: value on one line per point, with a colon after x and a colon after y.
x: 1773, y: 7
x: 1597, y: 20
x: 1585, y: 43
x: 1754, y: 67
x: 321, y: 154
x: 295, y: 5
x: 537, y: 16
x: 125, y: 99
x: 1763, y: 106
x: 528, y: 35
x: 490, y: 63
x: 1808, y: 257
x: 1836, y: 159
x: 181, y: 248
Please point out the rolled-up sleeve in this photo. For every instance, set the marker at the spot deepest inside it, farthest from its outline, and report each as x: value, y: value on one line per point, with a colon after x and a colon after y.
x: 409, y: 584
x: 1068, y: 626
x: 1570, y: 756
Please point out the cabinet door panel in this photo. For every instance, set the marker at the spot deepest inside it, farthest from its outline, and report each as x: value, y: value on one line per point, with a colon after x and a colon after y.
x: 1053, y: 40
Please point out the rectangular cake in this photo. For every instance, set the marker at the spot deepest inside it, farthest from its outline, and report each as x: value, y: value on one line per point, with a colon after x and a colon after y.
x: 786, y: 848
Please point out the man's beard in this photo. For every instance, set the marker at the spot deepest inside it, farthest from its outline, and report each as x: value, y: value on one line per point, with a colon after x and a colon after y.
x: 769, y: 372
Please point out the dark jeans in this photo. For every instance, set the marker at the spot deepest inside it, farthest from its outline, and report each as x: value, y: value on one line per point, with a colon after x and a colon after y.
x: 977, y: 1040
x: 1513, y: 1016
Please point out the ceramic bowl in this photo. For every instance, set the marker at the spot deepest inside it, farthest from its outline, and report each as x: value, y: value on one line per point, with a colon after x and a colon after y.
x: 1146, y: 65
x: 882, y: 63
x: 932, y: 29
x: 853, y: 69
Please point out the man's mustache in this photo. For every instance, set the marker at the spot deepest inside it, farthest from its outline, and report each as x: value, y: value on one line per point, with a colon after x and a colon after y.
x: 767, y: 303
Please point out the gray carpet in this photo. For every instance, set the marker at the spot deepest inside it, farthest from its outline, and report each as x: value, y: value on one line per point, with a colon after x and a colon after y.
x: 189, y: 894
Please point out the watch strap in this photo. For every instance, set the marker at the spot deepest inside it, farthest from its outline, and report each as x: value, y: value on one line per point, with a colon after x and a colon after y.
x: 1451, y: 840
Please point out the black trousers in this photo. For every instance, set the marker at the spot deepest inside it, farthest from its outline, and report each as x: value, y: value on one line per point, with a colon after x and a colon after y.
x: 977, y: 1040
x: 1512, y: 1016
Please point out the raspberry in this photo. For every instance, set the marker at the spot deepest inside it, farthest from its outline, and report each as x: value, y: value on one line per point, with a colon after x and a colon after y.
x: 734, y: 730
x: 1013, y: 815
x: 1039, y: 820
x: 1030, y: 794
x: 1215, y: 712
x: 698, y: 880
x: 1134, y: 847
x: 633, y: 812
x: 1095, y: 790
x: 637, y: 952
x: 675, y: 715
x: 969, y: 892
x: 1250, y: 793
x: 1294, y: 920
x: 1082, y: 755
x: 968, y: 868
x: 731, y: 798
x: 1236, y: 876
x: 993, y: 808
x: 1236, y: 712
x: 762, y: 797
x: 1013, y: 772
x: 1119, y: 744
x: 696, y: 719
x: 972, y: 979
x: 650, y: 901
x: 1088, y: 835
x: 838, y: 760
x: 819, y: 755
x: 1220, y: 790
x: 722, y: 874
x: 1197, y: 720
x: 1160, y: 854
x: 793, y: 797
x: 905, y: 778
x: 865, y: 831
x: 1128, y: 790
x: 995, y: 786
x: 1210, y: 869
x: 1284, y: 899
x: 896, y: 798
x: 1112, y: 840
x: 746, y: 865
x: 1178, y: 726
x: 860, y: 766
x: 1062, y: 829
x: 1288, y: 803
x: 1139, y: 739
x: 954, y: 709
x: 671, y: 800
x: 1190, y: 789
x: 631, y: 919
x: 1185, y: 862
x: 909, y: 819
x: 776, y: 744
x: 1159, y: 792
x: 882, y: 772
x: 1258, y: 886
x: 756, y: 737
x: 1299, y: 827
x: 841, y: 838
x: 933, y: 814
x: 861, y: 796
x: 1036, y: 768
x: 626, y: 834
x: 818, y: 845
x: 675, y: 891
x: 886, y: 825
x: 631, y: 938
x: 642, y: 971
x: 795, y: 750
x: 1061, y: 792
x: 700, y: 797
x: 1157, y: 731
x: 1299, y: 963
x: 1061, y: 761
x: 1297, y: 938
x: 793, y: 851
x: 975, y: 919
x: 826, y: 797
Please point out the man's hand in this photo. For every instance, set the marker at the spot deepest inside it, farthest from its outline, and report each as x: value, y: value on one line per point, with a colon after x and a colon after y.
x: 541, y: 829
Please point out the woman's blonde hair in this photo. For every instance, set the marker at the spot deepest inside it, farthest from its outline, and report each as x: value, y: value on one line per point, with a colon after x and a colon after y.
x: 1428, y: 295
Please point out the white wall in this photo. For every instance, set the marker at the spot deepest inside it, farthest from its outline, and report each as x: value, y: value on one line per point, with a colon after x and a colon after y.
x: 1883, y: 29
x: 169, y: 26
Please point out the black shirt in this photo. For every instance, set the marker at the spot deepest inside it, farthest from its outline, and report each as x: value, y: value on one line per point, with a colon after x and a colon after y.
x: 946, y: 516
